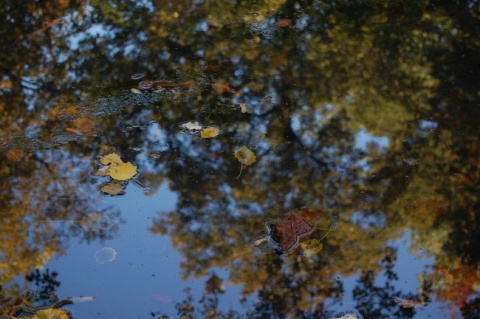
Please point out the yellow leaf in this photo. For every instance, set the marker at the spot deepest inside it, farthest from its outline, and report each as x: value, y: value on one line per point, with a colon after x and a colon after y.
x: 311, y: 247
x: 209, y: 132
x: 51, y: 313
x: 245, y: 155
x: 111, y: 159
x: 122, y: 171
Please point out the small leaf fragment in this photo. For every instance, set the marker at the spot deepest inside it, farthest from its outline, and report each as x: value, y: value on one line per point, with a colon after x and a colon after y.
x: 122, y: 171
x: 245, y: 155
x: 209, y: 132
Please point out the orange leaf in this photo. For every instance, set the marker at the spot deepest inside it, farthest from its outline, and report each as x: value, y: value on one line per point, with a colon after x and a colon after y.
x: 14, y: 154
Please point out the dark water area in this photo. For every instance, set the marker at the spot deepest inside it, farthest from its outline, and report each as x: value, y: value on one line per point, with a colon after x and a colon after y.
x: 228, y: 159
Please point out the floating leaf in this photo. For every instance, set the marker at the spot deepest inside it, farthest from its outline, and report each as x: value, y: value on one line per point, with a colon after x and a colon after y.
x: 51, y: 313
x: 286, y: 232
x: 309, y: 215
x: 122, y: 171
x: 117, y: 169
x: 311, y: 247
x: 245, y: 155
x: 209, y: 132
x: 111, y: 159
x: 14, y: 154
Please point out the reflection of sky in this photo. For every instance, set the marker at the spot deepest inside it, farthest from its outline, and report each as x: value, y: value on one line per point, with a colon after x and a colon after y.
x: 145, y: 275
x: 362, y: 139
x: 145, y: 265
x: 407, y: 267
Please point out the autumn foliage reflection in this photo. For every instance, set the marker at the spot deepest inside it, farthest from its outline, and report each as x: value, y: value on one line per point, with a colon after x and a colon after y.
x: 364, y: 111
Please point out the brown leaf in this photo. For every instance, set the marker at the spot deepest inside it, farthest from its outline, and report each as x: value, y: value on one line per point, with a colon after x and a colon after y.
x: 287, y: 231
x: 312, y: 216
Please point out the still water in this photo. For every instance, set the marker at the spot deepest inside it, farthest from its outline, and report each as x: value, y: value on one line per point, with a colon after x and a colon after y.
x: 220, y: 159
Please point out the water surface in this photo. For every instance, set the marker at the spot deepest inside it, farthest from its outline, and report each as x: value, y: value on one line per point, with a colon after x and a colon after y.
x: 145, y: 147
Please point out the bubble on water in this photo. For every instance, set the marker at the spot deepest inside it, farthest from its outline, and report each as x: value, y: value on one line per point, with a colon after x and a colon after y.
x: 105, y: 255
x: 138, y: 76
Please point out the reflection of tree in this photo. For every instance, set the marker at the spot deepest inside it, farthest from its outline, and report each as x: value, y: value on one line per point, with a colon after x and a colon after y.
x: 380, y: 301
x: 406, y: 71
x: 45, y: 281
x: 37, y: 218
